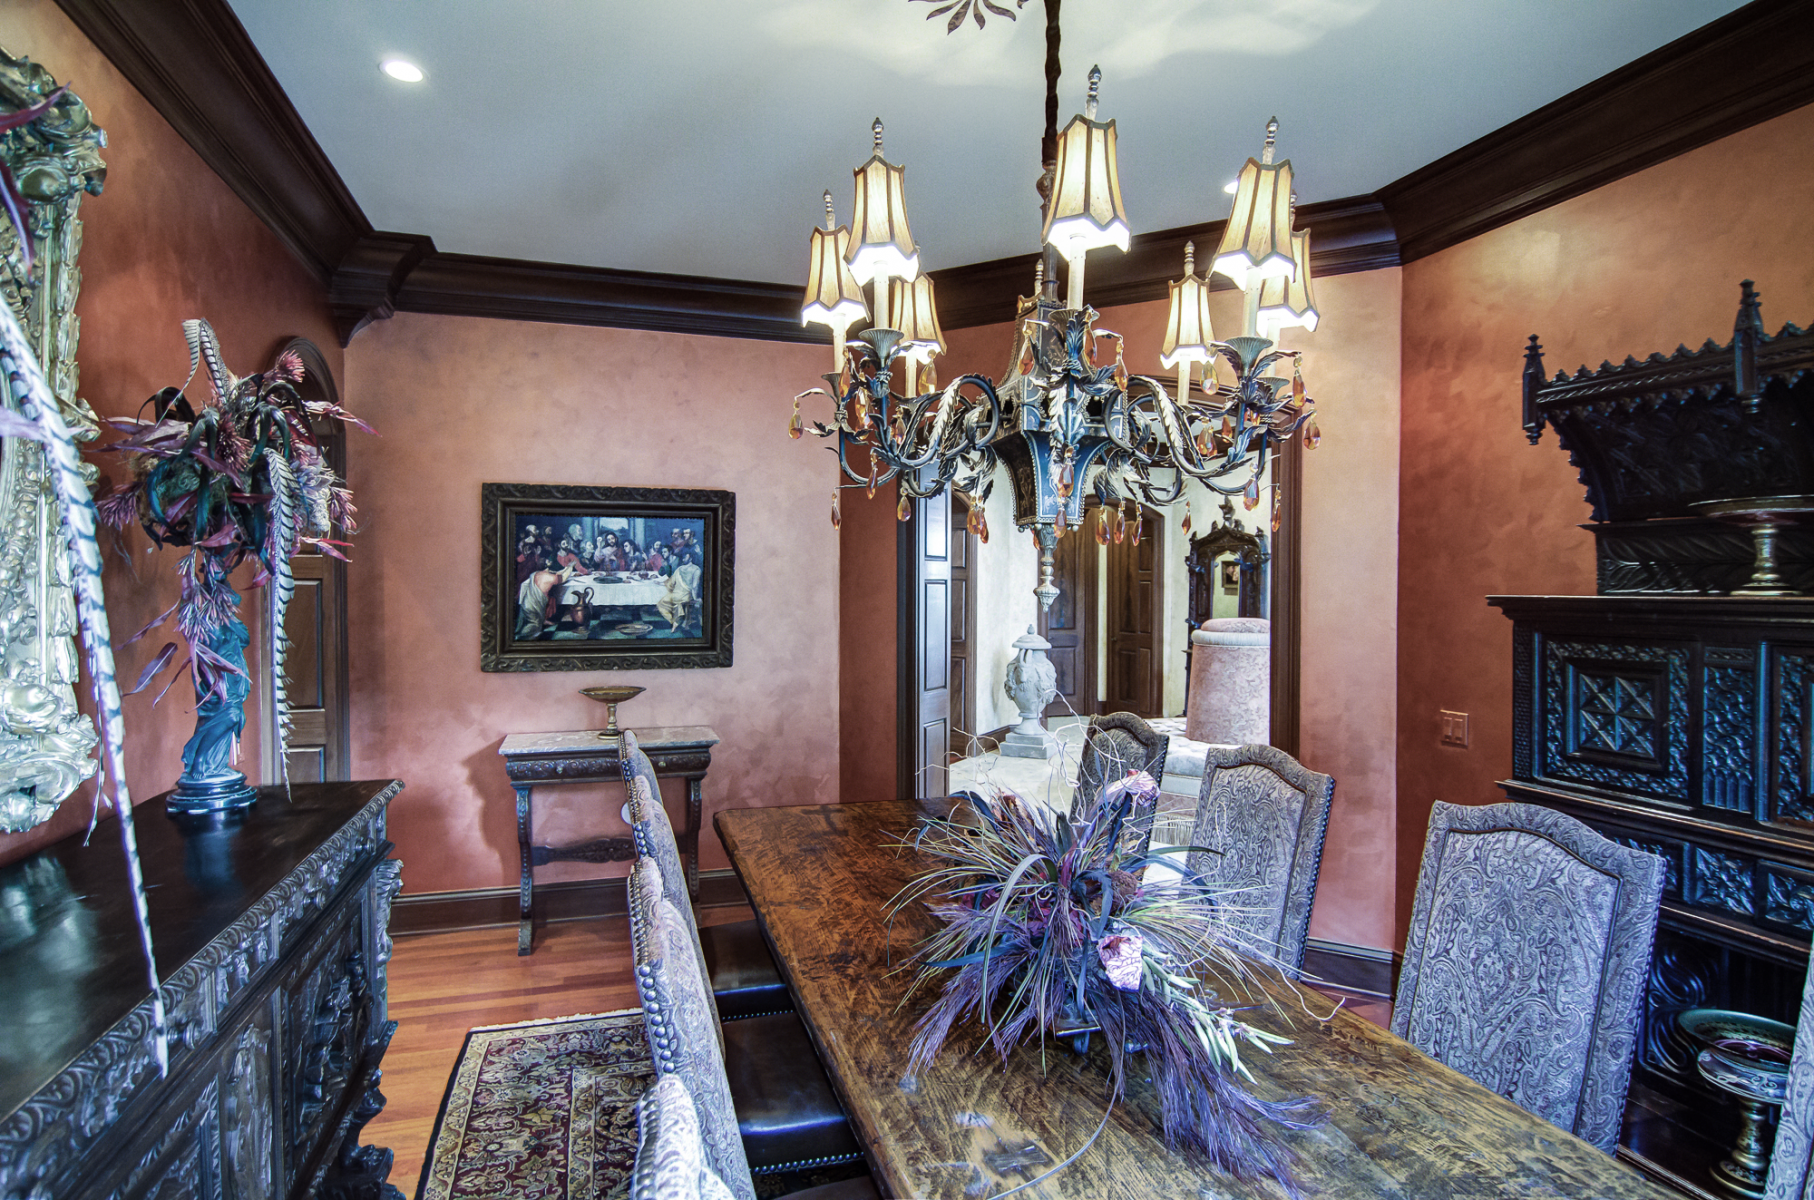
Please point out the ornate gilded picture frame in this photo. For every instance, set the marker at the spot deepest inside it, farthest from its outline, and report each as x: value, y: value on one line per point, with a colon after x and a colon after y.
x: 581, y: 578
x: 46, y: 742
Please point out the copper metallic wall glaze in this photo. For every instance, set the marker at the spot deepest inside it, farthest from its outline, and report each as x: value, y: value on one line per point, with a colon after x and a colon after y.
x: 1637, y: 266
x: 460, y: 401
x: 868, y: 640
x: 166, y: 240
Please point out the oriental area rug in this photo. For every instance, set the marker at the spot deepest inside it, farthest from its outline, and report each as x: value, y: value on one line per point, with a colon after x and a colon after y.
x: 546, y: 1110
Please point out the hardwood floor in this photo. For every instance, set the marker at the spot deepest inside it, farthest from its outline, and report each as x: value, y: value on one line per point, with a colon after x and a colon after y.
x: 443, y: 984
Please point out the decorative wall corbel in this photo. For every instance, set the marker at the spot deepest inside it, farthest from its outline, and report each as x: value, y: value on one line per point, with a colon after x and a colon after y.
x: 365, y: 284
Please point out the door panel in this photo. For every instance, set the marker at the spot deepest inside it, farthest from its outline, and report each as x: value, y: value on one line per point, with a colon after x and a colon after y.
x: 926, y: 656
x: 1133, y: 621
x: 1070, y: 624
x: 963, y: 624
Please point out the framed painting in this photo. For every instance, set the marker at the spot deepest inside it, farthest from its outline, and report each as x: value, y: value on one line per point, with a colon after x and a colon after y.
x: 578, y: 578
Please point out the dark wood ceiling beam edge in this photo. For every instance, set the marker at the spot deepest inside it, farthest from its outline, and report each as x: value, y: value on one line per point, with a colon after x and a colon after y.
x: 1751, y: 65
x: 513, y: 290
x: 195, y: 63
x: 1351, y: 234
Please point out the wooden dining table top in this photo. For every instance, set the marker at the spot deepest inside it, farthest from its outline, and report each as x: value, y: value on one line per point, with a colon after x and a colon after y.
x: 1398, y: 1123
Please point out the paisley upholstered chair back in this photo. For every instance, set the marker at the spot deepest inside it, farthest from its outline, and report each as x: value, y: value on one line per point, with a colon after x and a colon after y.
x: 1266, y: 815
x: 670, y: 1156
x: 682, y: 1023
x: 653, y: 833
x: 1115, y: 745
x: 648, y: 883
x: 1792, y: 1162
x: 1524, y: 969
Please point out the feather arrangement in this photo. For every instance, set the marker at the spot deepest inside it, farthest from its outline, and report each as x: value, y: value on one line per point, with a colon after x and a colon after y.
x: 240, y: 476
x: 36, y: 416
x: 1048, y: 927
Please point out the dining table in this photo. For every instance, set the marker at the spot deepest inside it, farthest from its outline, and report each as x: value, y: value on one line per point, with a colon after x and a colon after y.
x: 1393, y: 1122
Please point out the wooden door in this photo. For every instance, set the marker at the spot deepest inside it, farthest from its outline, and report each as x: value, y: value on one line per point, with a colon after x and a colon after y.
x: 926, y: 647
x: 963, y: 626
x: 1133, y: 621
x: 315, y: 672
x: 1070, y: 624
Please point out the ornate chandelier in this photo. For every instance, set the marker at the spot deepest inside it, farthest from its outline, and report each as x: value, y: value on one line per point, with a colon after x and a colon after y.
x: 1068, y: 421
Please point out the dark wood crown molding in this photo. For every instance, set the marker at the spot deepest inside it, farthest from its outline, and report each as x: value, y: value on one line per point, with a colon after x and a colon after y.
x: 1755, y: 63
x: 195, y: 63
x: 1352, y: 234
x: 511, y: 289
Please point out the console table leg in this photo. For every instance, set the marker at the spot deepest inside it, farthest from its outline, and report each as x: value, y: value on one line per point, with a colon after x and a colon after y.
x: 695, y: 803
x: 525, y: 928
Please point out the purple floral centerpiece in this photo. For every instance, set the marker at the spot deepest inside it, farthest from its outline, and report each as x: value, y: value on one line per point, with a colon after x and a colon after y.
x: 1049, y: 929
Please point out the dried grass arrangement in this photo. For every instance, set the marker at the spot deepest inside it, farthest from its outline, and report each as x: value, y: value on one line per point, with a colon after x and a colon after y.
x: 1048, y: 928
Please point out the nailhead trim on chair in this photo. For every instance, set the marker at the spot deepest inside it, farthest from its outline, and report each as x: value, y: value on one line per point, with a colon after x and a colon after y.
x: 832, y: 1160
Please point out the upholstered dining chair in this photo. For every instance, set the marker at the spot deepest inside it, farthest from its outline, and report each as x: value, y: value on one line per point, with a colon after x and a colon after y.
x: 743, y: 976
x: 1792, y: 1162
x: 1261, y: 818
x: 671, y: 1158
x: 763, y: 1082
x: 1524, y: 969
x: 1115, y: 745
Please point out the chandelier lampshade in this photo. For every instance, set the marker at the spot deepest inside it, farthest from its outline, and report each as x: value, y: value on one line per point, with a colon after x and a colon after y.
x: 1188, y: 337
x: 1288, y: 302
x: 914, y: 314
x: 1257, y: 242
x: 881, y: 244
x: 1085, y: 211
x: 833, y: 296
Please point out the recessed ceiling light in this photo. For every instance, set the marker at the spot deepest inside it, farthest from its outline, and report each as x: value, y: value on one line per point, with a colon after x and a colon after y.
x: 1231, y: 187
x: 401, y: 69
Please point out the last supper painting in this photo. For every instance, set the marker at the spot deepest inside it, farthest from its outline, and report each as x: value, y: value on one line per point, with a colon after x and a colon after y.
x: 581, y: 577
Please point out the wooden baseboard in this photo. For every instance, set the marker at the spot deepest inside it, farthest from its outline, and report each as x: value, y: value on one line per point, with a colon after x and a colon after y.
x: 1359, y: 969
x: 484, y: 908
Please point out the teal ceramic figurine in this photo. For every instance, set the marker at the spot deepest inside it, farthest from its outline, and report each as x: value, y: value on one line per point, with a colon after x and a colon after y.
x: 239, y: 477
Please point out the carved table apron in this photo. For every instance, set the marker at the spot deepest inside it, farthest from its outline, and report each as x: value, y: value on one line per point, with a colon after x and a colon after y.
x: 271, y: 941
x: 582, y: 756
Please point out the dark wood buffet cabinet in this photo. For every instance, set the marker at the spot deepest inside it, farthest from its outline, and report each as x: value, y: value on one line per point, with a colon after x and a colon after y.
x: 270, y: 934
x: 1674, y: 710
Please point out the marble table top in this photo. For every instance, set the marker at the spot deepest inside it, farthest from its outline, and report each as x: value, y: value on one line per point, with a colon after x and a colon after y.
x: 577, y: 741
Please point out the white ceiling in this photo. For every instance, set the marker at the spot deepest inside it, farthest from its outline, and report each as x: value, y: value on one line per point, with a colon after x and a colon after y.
x: 695, y: 136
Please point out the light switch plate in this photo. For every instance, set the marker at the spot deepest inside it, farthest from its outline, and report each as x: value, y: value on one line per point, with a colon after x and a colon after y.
x: 1454, y: 728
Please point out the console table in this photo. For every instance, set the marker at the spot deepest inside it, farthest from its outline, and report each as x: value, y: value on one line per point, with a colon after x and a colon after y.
x: 583, y: 756
x: 271, y: 943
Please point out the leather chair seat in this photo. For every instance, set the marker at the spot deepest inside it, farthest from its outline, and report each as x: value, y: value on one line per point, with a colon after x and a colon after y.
x: 745, y: 980
x: 786, y: 1109
x: 862, y: 1188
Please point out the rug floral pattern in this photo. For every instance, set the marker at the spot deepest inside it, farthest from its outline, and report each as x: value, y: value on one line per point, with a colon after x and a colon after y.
x: 542, y: 1111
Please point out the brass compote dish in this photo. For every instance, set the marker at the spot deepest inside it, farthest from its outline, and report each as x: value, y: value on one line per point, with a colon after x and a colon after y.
x: 1748, y: 1057
x: 613, y: 695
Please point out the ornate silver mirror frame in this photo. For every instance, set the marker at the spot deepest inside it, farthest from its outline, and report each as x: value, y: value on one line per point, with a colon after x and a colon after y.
x: 45, y: 740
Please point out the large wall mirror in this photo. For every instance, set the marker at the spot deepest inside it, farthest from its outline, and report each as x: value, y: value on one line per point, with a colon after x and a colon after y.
x: 45, y: 740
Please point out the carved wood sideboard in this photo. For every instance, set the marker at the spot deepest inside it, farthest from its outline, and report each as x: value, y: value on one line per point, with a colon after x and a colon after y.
x: 1674, y: 711
x: 271, y: 940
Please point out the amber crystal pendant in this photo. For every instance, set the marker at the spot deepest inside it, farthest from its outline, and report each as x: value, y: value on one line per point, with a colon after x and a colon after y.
x: 1312, y: 435
x: 982, y: 526
x: 1251, y: 496
x: 1120, y: 524
x: 1297, y: 379
x: 874, y: 473
x: 1133, y: 526
x: 794, y: 426
x: 837, y: 517
x: 1102, y: 527
x: 904, y: 509
x: 1187, y: 518
x: 1278, y: 514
